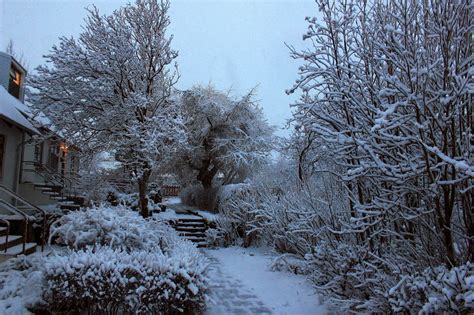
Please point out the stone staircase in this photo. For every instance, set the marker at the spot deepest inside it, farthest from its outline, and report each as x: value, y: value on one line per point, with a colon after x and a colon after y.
x: 23, y: 225
x: 54, y: 192
x: 192, y: 228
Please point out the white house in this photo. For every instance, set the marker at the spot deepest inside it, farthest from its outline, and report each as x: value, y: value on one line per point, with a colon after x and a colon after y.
x: 37, y: 167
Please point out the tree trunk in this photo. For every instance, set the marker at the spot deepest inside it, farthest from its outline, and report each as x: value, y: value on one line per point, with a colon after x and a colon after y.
x: 206, y: 175
x: 142, y: 188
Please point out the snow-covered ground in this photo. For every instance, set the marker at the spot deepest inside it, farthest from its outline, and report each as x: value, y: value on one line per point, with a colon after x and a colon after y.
x: 171, y: 200
x: 175, y: 209
x: 243, y: 283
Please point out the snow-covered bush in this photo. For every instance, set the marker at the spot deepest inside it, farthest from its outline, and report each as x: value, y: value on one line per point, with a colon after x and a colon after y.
x: 95, y: 186
x: 200, y: 197
x: 21, y: 282
x: 214, y: 237
x: 114, y: 227
x: 116, y: 262
x: 236, y: 218
x: 104, y: 279
x: 132, y: 200
x: 435, y: 290
x: 350, y: 278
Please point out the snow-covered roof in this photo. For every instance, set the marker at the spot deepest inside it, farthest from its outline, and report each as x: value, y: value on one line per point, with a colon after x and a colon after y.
x: 9, y: 110
x: 40, y: 117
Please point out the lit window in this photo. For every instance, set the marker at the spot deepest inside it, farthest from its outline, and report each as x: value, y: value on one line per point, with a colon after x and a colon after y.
x: 14, y: 83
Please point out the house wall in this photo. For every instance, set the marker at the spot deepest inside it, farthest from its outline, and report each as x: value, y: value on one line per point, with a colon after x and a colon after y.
x: 5, y: 64
x: 9, y: 175
x: 30, y: 177
x: 13, y: 138
x: 35, y: 196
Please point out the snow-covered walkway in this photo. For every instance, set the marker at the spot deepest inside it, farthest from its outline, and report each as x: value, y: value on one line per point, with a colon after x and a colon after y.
x: 243, y: 284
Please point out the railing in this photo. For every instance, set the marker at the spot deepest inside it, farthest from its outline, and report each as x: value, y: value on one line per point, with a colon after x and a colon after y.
x: 11, y: 208
x: 68, y: 184
x: 30, y: 206
x: 8, y: 232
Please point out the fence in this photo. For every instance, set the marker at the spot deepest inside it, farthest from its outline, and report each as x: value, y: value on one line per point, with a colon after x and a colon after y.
x: 170, y: 190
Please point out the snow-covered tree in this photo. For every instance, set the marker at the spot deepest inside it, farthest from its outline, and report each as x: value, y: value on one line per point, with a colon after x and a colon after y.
x: 111, y: 88
x: 387, y: 87
x: 226, y: 136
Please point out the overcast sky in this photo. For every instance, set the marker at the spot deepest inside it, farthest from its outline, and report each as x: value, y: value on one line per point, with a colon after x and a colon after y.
x: 232, y: 44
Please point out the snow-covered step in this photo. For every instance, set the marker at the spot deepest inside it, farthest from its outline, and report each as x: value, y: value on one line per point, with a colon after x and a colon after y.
x: 18, y: 249
x: 3, y: 231
x: 195, y: 238
x: 44, y: 188
x: 197, y: 234
x: 191, y: 224
x: 187, y: 220
x: 51, y: 193
x: 59, y: 198
x: 12, y: 217
x: 27, y: 207
x: 67, y: 202
x: 184, y: 229
x: 192, y: 228
x: 13, y: 240
x: 70, y: 207
x: 41, y: 184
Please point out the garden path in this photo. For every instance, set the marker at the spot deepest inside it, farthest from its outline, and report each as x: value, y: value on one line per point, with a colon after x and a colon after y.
x: 241, y: 283
x: 229, y: 295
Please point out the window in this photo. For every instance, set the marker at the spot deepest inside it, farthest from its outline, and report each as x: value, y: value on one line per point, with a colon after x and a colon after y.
x: 14, y: 83
x: 2, y: 153
x: 38, y: 156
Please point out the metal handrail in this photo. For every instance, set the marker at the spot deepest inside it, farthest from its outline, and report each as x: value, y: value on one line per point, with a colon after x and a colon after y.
x: 56, y: 178
x: 18, y: 197
x: 55, y: 174
x: 8, y: 232
x: 17, y: 211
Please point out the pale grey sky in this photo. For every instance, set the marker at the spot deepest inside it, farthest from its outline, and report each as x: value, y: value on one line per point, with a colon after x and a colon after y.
x: 232, y: 44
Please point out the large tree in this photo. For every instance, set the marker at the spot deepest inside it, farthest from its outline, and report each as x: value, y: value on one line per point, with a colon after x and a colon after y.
x: 110, y: 89
x: 387, y: 87
x: 226, y: 136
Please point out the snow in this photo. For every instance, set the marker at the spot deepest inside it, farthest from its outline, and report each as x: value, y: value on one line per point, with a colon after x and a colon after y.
x: 459, y: 165
x: 206, y: 215
x: 9, y: 110
x: 171, y: 215
x: 107, y: 161
x: 282, y: 292
x: 174, y: 204
x: 172, y: 201
x: 39, y: 117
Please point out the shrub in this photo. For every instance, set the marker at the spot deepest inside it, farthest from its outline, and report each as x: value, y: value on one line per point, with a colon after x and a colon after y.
x: 117, y: 262
x: 237, y: 203
x: 435, y: 290
x: 214, y: 237
x: 350, y: 277
x: 198, y: 196
x: 132, y: 200
x: 21, y: 284
x: 105, y: 280
x: 112, y: 226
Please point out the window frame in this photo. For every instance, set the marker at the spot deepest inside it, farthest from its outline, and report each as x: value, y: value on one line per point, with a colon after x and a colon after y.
x: 15, y: 77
